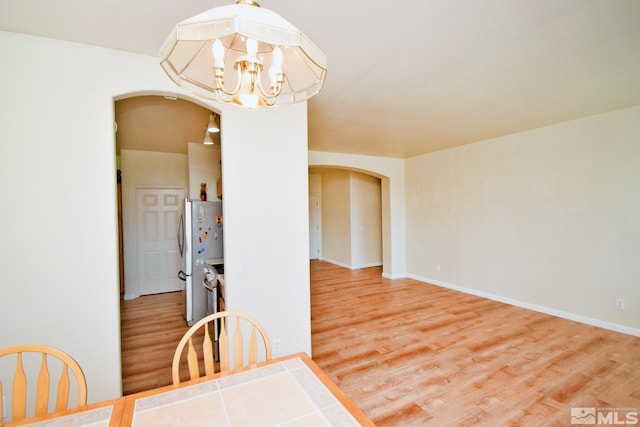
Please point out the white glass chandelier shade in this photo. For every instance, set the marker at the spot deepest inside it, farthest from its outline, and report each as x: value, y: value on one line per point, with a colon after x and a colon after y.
x: 213, y: 55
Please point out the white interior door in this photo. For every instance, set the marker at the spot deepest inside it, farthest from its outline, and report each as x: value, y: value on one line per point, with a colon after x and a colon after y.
x: 314, y: 227
x: 157, y: 214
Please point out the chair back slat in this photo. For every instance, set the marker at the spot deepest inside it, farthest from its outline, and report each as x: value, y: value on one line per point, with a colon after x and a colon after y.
x: 39, y: 400
x: 42, y: 390
x: 192, y: 361
x: 238, y: 351
x: 207, y: 349
x: 223, y: 346
x: 253, y: 347
x: 226, y: 334
x: 62, y: 396
x: 19, y: 391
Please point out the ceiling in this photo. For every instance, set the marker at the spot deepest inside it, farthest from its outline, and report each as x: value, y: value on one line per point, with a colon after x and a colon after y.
x: 410, y: 77
x: 157, y: 123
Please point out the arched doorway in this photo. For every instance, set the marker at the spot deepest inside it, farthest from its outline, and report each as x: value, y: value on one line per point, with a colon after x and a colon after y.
x: 391, y: 174
x: 350, y: 209
x: 161, y: 157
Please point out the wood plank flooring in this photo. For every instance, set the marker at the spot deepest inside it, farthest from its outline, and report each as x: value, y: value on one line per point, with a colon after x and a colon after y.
x: 414, y: 354
x: 151, y: 327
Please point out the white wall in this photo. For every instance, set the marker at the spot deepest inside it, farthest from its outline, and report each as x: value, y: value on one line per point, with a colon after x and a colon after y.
x: 548, y: 218
x: 144, y: 169
x: 59, y: 247
x: 204, y: 166
x: 336, y: 217
x: 351, y: 218
x: 266, y: 220
x: 366, y: 221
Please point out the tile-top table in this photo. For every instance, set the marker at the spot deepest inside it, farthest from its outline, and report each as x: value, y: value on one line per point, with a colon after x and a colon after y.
x: 291, y: 391
x: 102, y: 414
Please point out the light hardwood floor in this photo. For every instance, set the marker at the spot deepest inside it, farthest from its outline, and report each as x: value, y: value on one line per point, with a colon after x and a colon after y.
x: 414, y: 354
x: 151, y: 327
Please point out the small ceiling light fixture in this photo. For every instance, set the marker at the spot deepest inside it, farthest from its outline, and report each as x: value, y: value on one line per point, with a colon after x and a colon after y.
x: 213, y: 125
x: 207, y: 139
x: 201, y: 50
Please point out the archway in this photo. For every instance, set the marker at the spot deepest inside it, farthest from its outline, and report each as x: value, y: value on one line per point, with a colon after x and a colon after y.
x: 391, y: 174
x: 154, y: 135
x: 348, y: 215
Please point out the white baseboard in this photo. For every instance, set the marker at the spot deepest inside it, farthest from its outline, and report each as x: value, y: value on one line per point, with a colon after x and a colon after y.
x: 333, y: 261
x: 350, y: 267
x: 539, y: 308
x: 129, y: 296
x: 371, y: 264
x: 393, y: 276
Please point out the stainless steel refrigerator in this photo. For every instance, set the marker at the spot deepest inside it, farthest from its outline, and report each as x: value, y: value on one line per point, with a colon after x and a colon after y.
x: 199, y: 239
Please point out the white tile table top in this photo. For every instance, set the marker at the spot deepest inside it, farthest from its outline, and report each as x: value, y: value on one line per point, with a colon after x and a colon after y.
x: 286, y: 393
x: 99, y: 417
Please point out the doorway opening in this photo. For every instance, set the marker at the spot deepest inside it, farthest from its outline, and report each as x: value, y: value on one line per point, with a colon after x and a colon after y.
x: 161, y: 160
x: 346, y: 207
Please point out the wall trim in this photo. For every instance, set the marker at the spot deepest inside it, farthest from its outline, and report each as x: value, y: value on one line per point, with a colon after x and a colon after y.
x: 350, y: 267
x: 371, y: 264
x: 534, y: 307
x: 333, y: 261
x: 393, y: 276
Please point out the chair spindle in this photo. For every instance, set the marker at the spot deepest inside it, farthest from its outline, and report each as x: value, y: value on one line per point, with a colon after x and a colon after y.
x: 19, y: 391
x: 42, y: 391
x: 237, y: 346
x: 207, y: 349
x: 62, y: 398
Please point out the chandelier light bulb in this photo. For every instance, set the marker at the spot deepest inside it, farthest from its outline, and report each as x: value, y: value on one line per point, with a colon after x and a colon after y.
x: 277, y: 57
x: 218, y: 53
x: 276, y: 74
x: 252, y: 49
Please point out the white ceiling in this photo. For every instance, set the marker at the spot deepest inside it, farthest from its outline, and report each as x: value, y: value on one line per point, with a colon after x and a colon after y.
x: 156, y: 123
x: 409, y: 77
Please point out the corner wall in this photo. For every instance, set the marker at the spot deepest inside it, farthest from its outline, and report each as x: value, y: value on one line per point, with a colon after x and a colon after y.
x: 204, y: 166
x: 548, y: 219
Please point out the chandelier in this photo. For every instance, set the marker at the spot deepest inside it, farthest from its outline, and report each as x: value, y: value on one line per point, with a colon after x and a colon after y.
x: 274, y: 63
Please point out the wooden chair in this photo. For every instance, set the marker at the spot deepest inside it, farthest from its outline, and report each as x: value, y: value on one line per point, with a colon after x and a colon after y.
x: 59, y: 358
x: 205, y: 328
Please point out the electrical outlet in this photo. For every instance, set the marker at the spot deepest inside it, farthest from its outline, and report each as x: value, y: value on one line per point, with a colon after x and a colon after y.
x: 438, y: 269
x: 277, y: 345
x: 620, y: 303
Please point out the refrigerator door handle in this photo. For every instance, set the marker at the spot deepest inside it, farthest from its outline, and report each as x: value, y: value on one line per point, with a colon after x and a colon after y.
x: 181, y: 234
